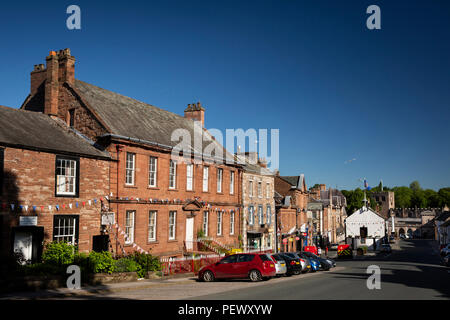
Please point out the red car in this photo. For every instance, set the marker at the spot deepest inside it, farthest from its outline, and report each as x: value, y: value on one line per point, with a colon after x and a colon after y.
x: 242, y: 265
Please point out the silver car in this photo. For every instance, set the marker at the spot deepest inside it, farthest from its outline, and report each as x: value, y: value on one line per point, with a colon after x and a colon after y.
x: 280, y: 264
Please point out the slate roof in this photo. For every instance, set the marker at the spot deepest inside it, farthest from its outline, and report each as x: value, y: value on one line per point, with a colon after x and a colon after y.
x: 337, y: 197
x: 443, y: 216
x: 128, y: 117
x: 293, y: 180
x: 250, y: 167
x: 37, y: 131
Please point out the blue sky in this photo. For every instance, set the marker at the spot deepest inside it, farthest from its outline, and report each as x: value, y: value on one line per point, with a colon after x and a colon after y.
x: 335, y: 90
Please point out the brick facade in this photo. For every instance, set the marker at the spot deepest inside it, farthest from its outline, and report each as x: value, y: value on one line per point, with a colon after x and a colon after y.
x: 54, y: 92
x: 177, y: 198
x: 29, y: 180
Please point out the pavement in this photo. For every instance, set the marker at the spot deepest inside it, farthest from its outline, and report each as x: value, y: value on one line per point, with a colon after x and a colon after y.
x: 412, y: 270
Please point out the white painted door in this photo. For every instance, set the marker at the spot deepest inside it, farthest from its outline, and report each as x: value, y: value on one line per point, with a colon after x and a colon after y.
x: 189, y: 233
x: 23, y: 242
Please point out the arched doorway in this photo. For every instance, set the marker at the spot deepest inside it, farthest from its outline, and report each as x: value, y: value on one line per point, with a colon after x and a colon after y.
x: 401, y: 231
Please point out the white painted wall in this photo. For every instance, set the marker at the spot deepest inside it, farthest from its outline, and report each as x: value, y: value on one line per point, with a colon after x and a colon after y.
x: 364, y: 217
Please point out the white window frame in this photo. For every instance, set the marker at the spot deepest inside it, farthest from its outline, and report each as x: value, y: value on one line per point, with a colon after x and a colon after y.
x: 219, y: 180
x: 66, y: 231
x: 251, y: 215
x: 173, y: 174
x: 260, y: 214
x: 219, y: 222
x: 152, y: 225
x: 153, y: 172
x: 68, y: 180
x: 130, y: 170
x: 232, y: 223
x: 205, y: 222
x: 189, y: 177
x: 172, y: 225
x: 205, y: 179
x: 231, y: 182
x: 129, y: 227
x: 268, y: 214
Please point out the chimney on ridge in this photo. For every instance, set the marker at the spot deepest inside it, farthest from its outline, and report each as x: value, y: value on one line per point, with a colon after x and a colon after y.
x: 195, y: 112
x: 60, y: 69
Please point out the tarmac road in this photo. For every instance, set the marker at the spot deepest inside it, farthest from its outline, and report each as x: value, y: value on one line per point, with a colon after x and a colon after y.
x: 411, y: 271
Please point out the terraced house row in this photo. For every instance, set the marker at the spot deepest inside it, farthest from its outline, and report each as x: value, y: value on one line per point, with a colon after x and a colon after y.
x: 83, y: 164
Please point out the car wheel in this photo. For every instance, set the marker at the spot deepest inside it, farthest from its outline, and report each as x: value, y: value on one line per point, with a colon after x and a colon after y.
x: 255, y: 275
x: 296, y: 272
x: 208, y: 276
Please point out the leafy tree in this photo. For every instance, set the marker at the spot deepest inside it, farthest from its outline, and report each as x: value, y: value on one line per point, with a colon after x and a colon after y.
x: 354, y: 199
x: 444, y: 197
x: 432, y: 198
x: 403, y: 197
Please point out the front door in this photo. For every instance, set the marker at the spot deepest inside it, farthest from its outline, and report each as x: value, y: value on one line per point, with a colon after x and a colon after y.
x: 189, y: 233
x: 23, y: 244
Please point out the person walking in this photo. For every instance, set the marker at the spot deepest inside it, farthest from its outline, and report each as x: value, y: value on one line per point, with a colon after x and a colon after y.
x: 319, y: 252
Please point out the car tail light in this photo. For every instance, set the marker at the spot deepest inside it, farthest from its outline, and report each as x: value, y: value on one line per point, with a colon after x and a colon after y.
x: 302, y: 260
x: 292, y: 262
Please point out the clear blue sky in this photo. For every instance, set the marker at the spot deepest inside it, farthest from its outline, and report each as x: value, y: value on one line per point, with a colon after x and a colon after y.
x: 335, y: 90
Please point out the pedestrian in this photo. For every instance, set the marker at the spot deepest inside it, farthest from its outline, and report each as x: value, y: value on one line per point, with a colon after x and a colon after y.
x: 319, y: 251
x: 326, y: 251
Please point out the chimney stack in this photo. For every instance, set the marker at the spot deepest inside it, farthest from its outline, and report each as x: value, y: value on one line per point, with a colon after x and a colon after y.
x: 37, y: 76
x: 195, y: 112
x: 59, y: 70
x: 52, y: 85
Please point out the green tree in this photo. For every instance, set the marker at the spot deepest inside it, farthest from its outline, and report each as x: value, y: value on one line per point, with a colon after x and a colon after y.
x: 403, y: 197
x: 354, y: 199
x: 444, y: 197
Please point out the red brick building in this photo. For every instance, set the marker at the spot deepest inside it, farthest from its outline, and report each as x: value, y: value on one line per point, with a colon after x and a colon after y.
x: 52, y: 184
x: 160, y: 197
x: 292, y: 201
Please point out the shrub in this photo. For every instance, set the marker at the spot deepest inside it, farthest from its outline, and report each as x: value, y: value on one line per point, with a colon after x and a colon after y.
x: 101, y: 262
x: 40, y: 269
x: 127, y: 265
x: 147, y: 263
x: 58, y: 253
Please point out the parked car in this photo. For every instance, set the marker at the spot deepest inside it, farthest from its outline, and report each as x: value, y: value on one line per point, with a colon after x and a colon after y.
x: 314, y: 263
x: 280, y: 264
x: 325, y: 264
x: 445, y: 250
x: 386, y: 248
x: 402, y: 236
x: 254, y: 266
x: 447, y: 260
x: 293, y: 263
